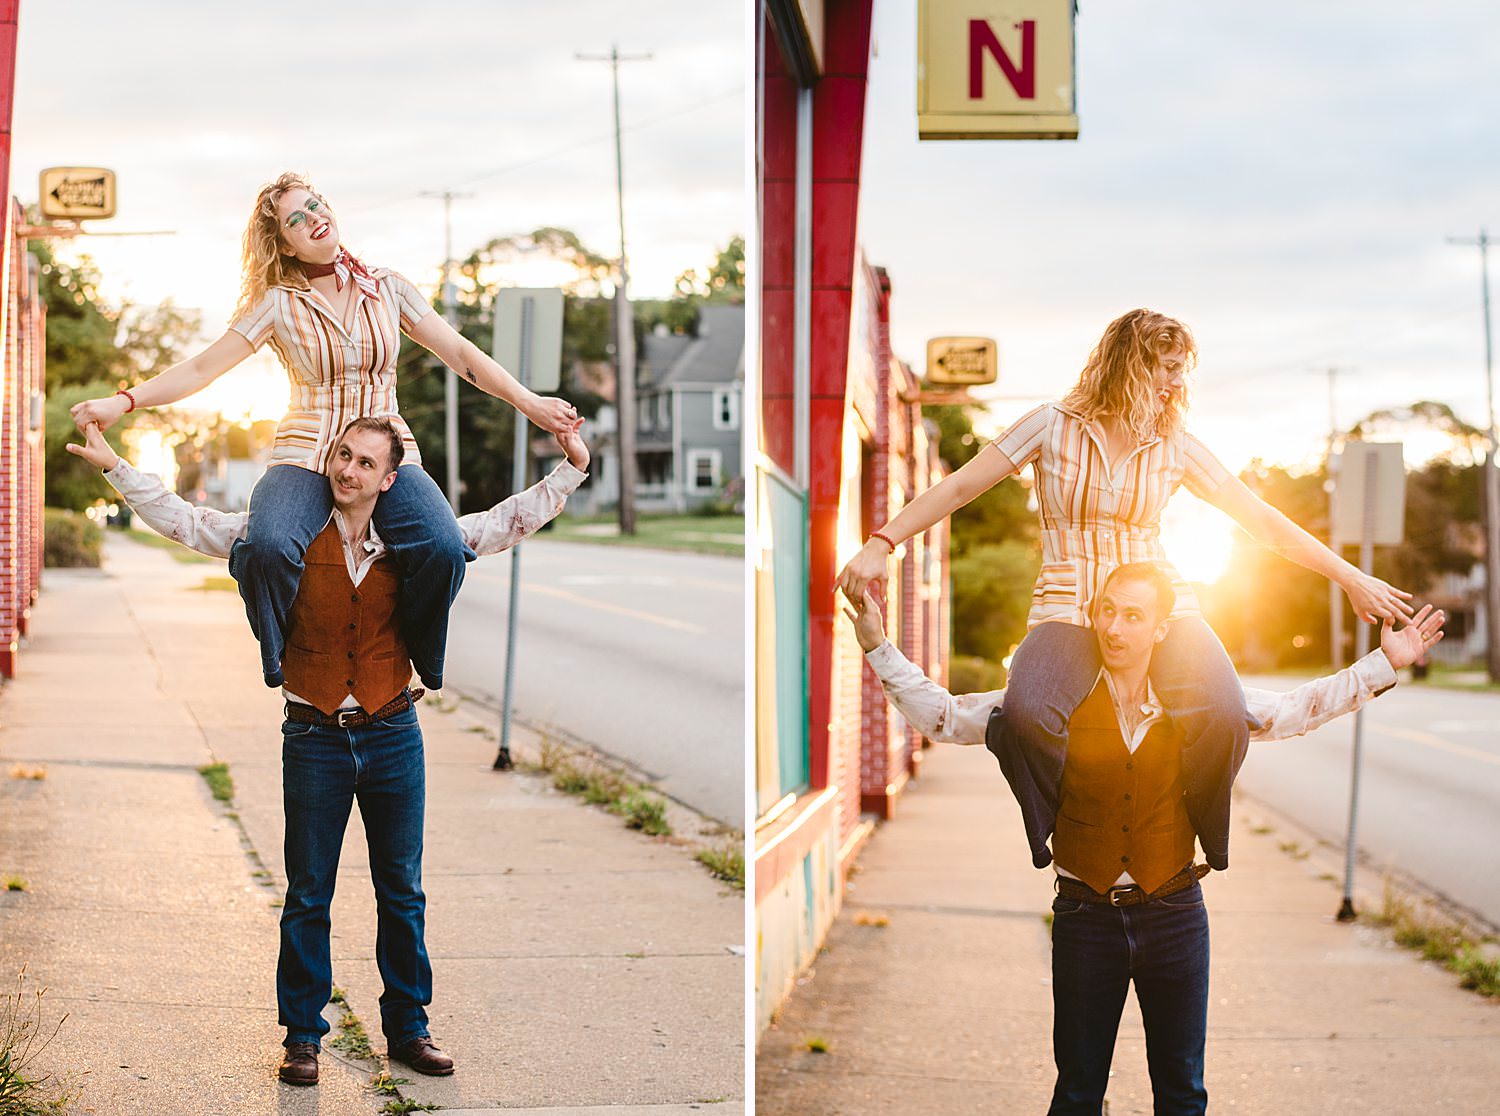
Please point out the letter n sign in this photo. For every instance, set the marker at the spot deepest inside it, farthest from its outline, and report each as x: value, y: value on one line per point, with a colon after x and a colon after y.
x: 995, y: 69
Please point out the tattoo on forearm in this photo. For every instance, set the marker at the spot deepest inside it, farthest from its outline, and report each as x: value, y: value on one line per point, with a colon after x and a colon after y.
x: 469, y: 373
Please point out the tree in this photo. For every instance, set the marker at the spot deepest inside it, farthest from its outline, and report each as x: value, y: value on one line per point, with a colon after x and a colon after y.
x: 93, y: 349
x: 994, y: 548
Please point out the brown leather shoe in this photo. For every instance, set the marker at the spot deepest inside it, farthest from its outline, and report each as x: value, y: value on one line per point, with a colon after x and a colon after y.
x: 422, y: 1055
x: 299, y: 1066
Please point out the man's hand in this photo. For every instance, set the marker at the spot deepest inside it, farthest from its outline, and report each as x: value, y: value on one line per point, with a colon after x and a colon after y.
x: 570, y: 441
x: 867, y: 626
x: 1421, y: 633
x: 550, y: 413
x: 95, y: 450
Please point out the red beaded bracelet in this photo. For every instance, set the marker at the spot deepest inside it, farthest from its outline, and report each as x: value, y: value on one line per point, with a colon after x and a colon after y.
x: 885, y: 539
x: 128, y: 396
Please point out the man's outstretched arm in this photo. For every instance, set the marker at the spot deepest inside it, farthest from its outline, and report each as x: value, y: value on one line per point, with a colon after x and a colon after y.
x: 515, y: 517
x: 1284, y: 715
x: 205, y: 530
x: 935, y: 713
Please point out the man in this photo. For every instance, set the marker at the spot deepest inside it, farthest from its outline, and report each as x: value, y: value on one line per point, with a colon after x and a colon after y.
x: 351, y: 726
x: 1129, y: 907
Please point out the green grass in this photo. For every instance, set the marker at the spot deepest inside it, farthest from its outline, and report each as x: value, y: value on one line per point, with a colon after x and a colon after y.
x: 1444, y: 677
x: 1449, y: 943
x: 401, y: 1106
x: 700, y: 534
x: 219, y: 781
x: 16, y: 883
x: 816, y: 1044
x: 218, y: 584
x: 23, y: 1037
x: 727, y: 863
x: 175, y: 549
x: 644, y: 812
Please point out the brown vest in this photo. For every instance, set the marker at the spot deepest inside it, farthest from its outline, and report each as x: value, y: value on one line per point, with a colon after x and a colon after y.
x: 344, y: 639
x: 1121, y: 811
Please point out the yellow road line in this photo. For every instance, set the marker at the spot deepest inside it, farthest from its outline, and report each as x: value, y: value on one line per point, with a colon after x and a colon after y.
x: 605, y: 606
x: 1432, y: 740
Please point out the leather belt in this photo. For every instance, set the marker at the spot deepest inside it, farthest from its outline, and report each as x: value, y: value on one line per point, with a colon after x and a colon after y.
x: 352, y: 718
x: 1130, y: 895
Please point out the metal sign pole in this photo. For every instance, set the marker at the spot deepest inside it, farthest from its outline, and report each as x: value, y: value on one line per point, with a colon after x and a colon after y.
x: 1361, y: 649
x: 518, y: 483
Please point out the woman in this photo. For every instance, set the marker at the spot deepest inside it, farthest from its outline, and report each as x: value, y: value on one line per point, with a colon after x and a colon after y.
x: 334, y: 324
x: 1107, y: 458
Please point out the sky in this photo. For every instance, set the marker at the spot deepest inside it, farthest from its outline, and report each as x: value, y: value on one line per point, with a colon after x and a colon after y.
x: 1281, y: 176
x: 196, y: 105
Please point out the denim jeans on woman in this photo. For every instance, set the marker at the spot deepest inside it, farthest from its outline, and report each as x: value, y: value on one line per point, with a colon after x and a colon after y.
x: 288, y: 509
x: 1057, y: 666
x: 324, y: 769
x: 1097, y: 951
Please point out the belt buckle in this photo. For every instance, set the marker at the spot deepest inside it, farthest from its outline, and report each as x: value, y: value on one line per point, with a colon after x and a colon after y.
x: 349, y: 713
x: 1116, y: 894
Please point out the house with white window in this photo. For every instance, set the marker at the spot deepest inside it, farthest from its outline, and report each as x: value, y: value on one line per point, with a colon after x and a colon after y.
x: 689, y: 393
x: 689, y: 396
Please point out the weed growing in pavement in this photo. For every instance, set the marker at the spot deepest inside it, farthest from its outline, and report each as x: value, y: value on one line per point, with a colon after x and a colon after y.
x: 872, y: 918
x: 641, y: 811
x: 23, y: 1038
x: 599, y: 785
x: 352, y: 1039
x: 1444, y: 940
x: 816, y: 1044
x: 727, y: 863
x: 220, y: 782
x: 401, y: 1106
x: 16, y: 883
x: 222, y: 584
x: 385, y: 1085
x: 19, y: 772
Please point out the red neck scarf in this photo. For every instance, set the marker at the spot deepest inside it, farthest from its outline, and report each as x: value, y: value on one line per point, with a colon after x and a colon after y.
x: 343, y: 267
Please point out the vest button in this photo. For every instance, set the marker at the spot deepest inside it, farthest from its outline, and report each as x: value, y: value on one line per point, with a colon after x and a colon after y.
x: 351, y: 654
x: 350, y: 682
x: 1129, y: 765
x: 1127, y: 798
x: 1124, y: 860
x: 1124, y: 829
x: 355, y: 598
x: 351, y: 627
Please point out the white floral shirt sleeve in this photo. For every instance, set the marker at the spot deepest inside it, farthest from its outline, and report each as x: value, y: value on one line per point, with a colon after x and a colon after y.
x: 515, y: 517
x: 206, y: 530
x: 961, y: 719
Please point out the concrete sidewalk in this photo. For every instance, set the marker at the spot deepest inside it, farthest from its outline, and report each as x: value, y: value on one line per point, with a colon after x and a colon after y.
x: 579, y: 967
x: 946, y: 1007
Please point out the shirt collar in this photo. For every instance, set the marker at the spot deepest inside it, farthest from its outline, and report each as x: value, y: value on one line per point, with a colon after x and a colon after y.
x: 1151, y: 707
x: 373, y: 543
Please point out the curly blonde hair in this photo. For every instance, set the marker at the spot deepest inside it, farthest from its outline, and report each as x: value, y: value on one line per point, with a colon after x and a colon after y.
x: 263, y: 263
x: 1117, y: 380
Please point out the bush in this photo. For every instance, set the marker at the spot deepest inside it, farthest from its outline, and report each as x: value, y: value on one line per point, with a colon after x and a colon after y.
x: 71, y: 540
x: 971, y: 674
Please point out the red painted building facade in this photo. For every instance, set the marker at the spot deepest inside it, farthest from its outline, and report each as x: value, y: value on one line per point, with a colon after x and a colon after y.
x: 842, y: 445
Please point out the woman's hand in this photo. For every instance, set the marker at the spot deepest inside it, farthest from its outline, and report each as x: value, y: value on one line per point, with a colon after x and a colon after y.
x: 555, y: 416
x: 106, y: 412
x: 1373, y: 598
x: 866, y: 568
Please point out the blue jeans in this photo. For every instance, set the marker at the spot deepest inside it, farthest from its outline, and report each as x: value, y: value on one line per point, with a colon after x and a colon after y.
x: 1097, y: 950
x: 1057, y: 666
x: 288, y: 509
x: 323, y: 770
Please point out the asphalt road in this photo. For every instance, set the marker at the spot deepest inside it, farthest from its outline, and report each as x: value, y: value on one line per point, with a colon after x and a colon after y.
x: 1429, y: 803
x: 638, y: 653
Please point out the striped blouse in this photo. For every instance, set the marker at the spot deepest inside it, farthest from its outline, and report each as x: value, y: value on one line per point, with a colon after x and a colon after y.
x: 1095, y: 518
x: 337, y: 374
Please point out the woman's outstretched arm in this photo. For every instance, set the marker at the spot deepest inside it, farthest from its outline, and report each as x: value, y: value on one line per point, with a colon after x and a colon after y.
x: 433, y: 333
x: 178, y: 382
x: 985, y: 470
x: 1370, y: 596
